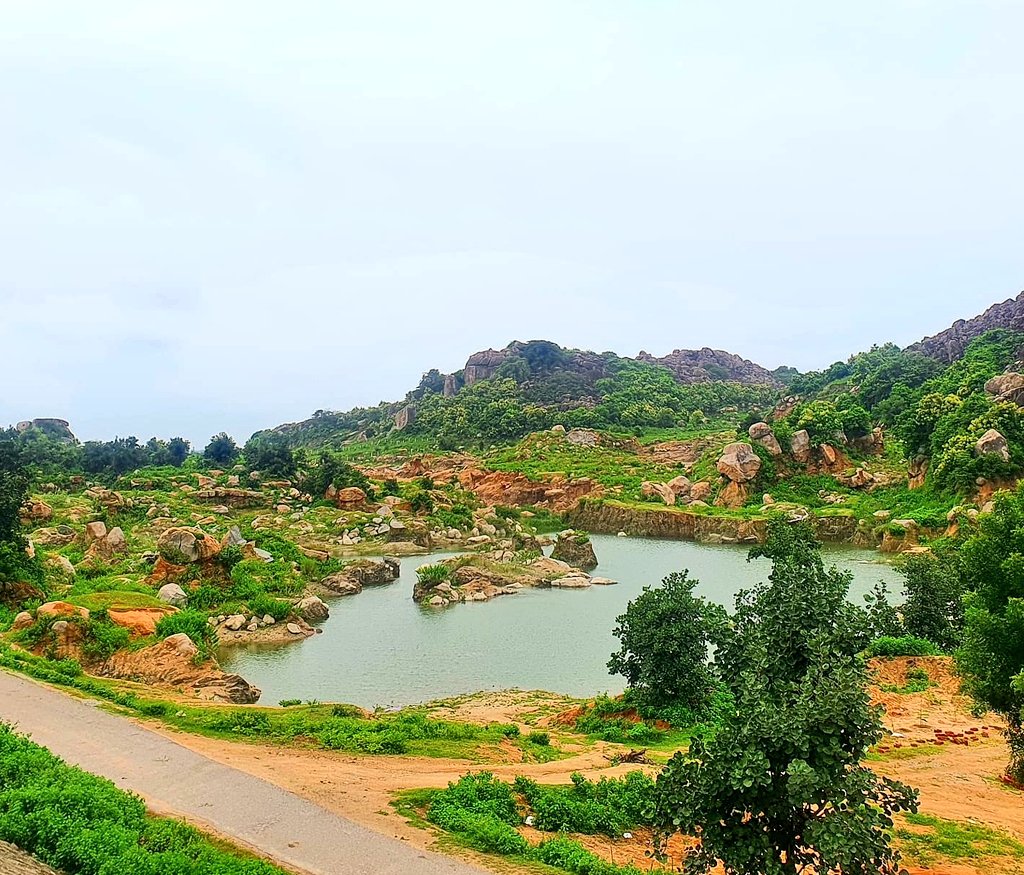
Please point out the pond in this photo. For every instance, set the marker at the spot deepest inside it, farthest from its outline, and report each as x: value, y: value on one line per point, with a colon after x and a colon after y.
x: 379, y: 648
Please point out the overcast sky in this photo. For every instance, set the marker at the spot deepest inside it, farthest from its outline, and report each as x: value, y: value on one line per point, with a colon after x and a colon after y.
x: 223, y: 215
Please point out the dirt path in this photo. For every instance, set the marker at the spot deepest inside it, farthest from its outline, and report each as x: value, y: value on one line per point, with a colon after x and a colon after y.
x: 300, y: 834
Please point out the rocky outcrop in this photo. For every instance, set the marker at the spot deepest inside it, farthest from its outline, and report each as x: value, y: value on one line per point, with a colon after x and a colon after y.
x: 739, y: 462
x: 172, y: 664
x: 348, y: 498
x: 574, y: 548
x: 482, y: 365
x: 761, y: 433
x: 139, y: 622
x: 690, y: 366
x: 678, y: 490
x: 184, y: 546
x: 312, y: 609
x: 949, y: 345
x: 992, y: 443
x: 517, y: 490
x: 1007, y: 387
x: 800, y: 446
x: 405, y: 417
x: 362, y: 572
x: 35, y: 511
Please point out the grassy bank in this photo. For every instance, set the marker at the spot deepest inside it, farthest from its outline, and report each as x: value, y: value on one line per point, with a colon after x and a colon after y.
x: 84, y: 825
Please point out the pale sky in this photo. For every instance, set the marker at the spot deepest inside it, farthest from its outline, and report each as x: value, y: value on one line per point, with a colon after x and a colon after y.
x: 226, y: 215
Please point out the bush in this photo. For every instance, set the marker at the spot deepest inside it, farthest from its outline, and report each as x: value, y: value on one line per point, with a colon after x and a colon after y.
x: 192, y: 623
x: 263, y: 605
x: 541, y: 739
x: 102, y: 638
x: 433, y: 574
x: 907, y: 645
x: 609, y: 806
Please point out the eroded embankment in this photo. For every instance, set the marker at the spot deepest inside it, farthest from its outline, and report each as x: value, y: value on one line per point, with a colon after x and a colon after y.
x: 611, y: 517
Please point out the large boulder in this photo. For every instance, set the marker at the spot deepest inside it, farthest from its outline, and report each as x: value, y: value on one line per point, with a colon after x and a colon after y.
x: 312, y: 609
x: 739, y: 462
x: 341, y: 584
x: 761, y: 432
x: 733, y: 495
x: 173, y: 594
x: 372, y: 572
x: 183, y: 546
x: 800, y: 446
x: 140, y: 622
x: 992, y: 443
x: 650, y: 489
x: 1007, y: 387
x: 35, y: 510
x: 350, y: 498
x: 576, y: 549
x: 61, y: 609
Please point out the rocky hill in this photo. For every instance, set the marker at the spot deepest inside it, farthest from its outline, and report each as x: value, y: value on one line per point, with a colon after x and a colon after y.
x: 949, y: 345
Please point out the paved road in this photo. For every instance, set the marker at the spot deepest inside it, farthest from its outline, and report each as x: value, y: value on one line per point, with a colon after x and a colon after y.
x: 174, y: 780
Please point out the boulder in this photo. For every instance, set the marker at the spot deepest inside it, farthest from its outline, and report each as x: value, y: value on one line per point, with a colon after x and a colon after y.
x: 552, y: 567
x: 1007, y: 387
x: 761, y: 432
x: 739, y: 462
x: 295, y: 629
x: 350, y: 498
x: 94, y: 531
x: 733, y: 495
x: 340, y: 583
x: 649, y: 489
x: 573, y: 581
x: 373, y: 572
x: 576, y: 549
x: 992, y: 443
x: 23, y: 620
x: 183, y: 546
x: 312, y: 609
x: 172, y: 594
x: 700, y: 491
x: 234, y: 622
x: 583, y: 437
x: 60, y: 536
x: 116, y: 541
x: 800, y: 446
x: 234, y: 538
x: 61, y: 564
x: 36, y: 510
x: 164, y: 571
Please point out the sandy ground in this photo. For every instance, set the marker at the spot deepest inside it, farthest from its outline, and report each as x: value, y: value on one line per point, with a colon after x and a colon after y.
x: 957, y: 781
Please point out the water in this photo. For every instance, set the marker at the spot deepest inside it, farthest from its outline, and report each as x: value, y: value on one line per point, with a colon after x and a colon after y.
x: 379, y: 648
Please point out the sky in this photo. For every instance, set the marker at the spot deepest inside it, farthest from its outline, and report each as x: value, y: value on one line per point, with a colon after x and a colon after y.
x: 227, y: 215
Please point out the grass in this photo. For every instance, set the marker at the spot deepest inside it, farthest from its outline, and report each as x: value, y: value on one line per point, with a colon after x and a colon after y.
x: 904, y: 753
x: 116, y: 599
x: 925, y: 839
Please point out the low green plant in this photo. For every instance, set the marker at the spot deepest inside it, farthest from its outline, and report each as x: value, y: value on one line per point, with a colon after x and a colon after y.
x: 82, y: 824
x: 542, y: 739
x: 906, y: 645
x: 433, y: 574
x: 192, y: 623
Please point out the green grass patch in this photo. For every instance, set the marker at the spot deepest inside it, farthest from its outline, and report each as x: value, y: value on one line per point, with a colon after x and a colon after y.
x: 925, y: 839
x: 116, y: 599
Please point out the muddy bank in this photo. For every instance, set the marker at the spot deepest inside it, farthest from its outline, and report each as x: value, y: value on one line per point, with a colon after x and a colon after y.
x: 610, y: 518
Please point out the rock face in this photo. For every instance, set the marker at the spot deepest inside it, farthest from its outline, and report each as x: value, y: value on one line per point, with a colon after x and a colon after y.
x: 800, y: 446
x: 363, y: 572
x: 1007, y: 387
x: 183, y: 546
x: 575, y: 549
x: 761, y: 432
x: 739, y: 462
x: 140, y: 622
x: 949, y: 345
x: 171, y: 664
x: 706, y: 365
x: 992, y: 443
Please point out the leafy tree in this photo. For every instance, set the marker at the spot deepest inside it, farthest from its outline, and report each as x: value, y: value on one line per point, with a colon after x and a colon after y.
x: 221, y: 450
x: 664, y: 636
x: 780, y: 788
x: 177, y: 450
x: 991, y: 657
x: 270, y: 454
x: 821, y: 421
x: 326, y: 469
x: 934, y: 607
x: 15, y: 566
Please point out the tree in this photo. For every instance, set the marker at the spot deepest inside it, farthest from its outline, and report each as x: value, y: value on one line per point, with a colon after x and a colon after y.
x: 15, y: 565
x: 178, y: 450
x: 664, y: 636
x: 221, y: 450
x: 328, y: 469
x: 991, y: 658
x: 934, y: 606
x: 270, y: 454
x: 780, y: 788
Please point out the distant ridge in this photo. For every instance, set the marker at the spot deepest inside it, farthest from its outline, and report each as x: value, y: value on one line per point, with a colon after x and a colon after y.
x: 947, y: 346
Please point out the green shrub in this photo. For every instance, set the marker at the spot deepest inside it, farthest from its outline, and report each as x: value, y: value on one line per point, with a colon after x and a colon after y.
x: 433, y: 574
x: 539, y: 738
x: 192, y: 623
x: 102, y: 638
x: 609, y: 806
x: 907, y: 645
x: 263, y: 605
x: 289, y: 703
x: 84, y: 825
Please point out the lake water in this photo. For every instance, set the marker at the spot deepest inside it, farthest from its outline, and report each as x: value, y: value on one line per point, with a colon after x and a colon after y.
x: 379, y: 648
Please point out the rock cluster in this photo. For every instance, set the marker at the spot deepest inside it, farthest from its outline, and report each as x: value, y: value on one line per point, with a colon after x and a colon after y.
x: 362, y: 572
